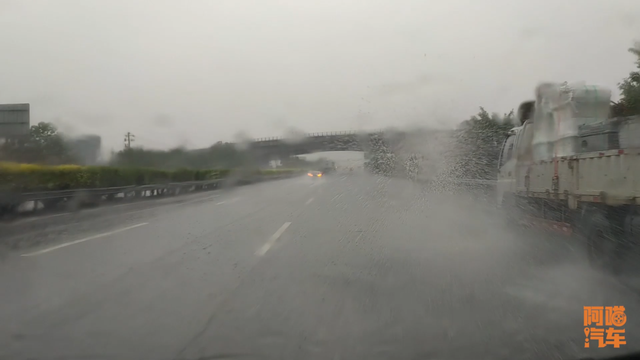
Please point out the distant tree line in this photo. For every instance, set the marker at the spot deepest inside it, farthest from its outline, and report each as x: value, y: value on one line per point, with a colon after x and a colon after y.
x: 46, y: 145
x: 221, y: 155
x: 43, y: 145
x: 218, y: 156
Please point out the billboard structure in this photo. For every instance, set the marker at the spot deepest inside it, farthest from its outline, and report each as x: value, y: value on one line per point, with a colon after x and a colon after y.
x: 14, y: 120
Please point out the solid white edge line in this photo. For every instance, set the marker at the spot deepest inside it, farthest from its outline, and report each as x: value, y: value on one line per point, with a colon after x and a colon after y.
x: 228, y: 201
x: 263, y: 250
x: 44, y: 251
x: 40, y: 218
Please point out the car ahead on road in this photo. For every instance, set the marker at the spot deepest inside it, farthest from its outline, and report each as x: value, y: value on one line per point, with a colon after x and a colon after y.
x: 315, y: 174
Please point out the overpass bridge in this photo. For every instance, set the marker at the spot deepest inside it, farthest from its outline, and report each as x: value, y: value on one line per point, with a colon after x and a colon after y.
x: 280, y: 147
x: 434, y: 149
x: 430, y: 145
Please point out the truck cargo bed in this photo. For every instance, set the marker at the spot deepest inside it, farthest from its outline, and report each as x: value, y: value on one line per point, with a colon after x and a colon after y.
x: 611, y: 177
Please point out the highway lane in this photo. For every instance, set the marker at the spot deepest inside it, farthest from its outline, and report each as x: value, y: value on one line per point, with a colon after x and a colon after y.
x: 56, y: 224
x: 348, y: 267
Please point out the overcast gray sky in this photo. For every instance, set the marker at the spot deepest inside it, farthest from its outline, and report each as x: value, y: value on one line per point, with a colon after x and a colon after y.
x: 194, y: 72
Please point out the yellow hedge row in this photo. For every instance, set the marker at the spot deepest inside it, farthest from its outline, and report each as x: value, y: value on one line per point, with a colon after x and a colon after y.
x: 31, y: 178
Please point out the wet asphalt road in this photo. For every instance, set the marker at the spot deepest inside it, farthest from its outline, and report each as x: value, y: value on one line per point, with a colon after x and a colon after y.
x: 345, y: 267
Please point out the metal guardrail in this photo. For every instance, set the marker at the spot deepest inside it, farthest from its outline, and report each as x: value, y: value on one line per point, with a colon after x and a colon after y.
x: 11, y: 201
x: 45, y: 195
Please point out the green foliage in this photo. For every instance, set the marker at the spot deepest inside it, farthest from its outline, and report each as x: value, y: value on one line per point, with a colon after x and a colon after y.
x: 478, y: 143
x: 630, y: 89
x: 44, y: 145
x: 31, y: 178
x: 380, y: 159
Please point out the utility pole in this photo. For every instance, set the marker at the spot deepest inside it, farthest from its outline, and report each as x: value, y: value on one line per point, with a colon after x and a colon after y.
x: 128, y: 138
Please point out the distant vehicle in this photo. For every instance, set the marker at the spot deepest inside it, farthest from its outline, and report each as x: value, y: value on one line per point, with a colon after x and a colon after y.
x: 315, y: 174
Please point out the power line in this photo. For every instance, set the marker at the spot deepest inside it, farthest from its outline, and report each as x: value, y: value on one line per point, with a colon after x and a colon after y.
x: 128, y: 138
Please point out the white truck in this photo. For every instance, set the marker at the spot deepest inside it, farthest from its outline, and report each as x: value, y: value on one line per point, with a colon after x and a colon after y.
x: 569, y: 167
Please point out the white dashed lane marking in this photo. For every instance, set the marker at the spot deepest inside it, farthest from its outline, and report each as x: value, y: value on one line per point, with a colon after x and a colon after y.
x: 263, y: 250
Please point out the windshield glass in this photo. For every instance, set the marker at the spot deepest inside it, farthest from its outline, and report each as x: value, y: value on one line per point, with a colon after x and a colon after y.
x: 218, y: 179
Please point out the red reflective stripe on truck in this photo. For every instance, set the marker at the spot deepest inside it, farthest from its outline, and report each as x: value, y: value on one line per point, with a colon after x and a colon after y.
x: 555, y: 226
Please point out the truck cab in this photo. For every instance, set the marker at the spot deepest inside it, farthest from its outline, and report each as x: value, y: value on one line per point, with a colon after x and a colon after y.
x: 507, y: 165
x: 512, y: 149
